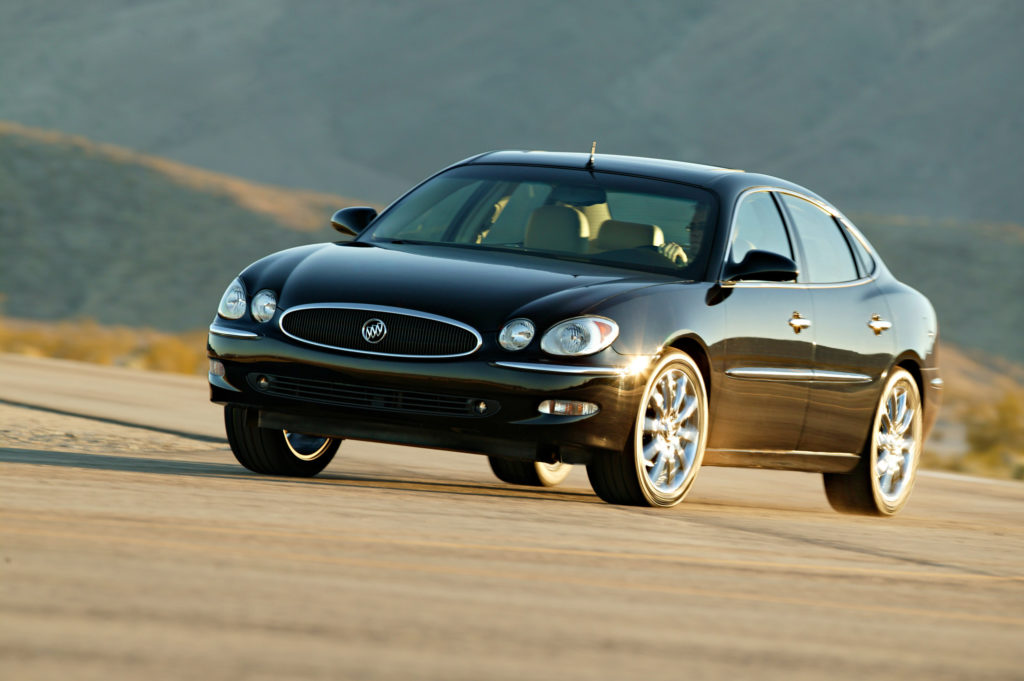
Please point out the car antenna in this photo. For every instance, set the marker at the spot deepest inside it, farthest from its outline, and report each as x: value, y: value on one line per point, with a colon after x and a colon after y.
x: 593, y: 150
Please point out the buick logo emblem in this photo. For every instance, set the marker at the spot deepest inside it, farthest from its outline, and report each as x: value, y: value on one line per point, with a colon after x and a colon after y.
x: 374, y: 330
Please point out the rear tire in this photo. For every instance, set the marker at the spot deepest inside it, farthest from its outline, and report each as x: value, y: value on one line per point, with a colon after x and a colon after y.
x: 533, y: 473
x: 666, y: 445
x: 884, y: 477
x: 275, y: 452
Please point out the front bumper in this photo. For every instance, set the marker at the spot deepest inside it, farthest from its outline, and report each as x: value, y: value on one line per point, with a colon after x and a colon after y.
x: 410, y: 402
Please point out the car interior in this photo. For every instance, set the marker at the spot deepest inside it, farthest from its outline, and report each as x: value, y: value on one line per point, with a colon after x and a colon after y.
x: 575, y: 220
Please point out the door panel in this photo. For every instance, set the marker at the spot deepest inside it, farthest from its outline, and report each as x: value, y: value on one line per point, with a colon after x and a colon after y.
x: 849, y: 358
x: 760, y: 401
x: 840, y: 408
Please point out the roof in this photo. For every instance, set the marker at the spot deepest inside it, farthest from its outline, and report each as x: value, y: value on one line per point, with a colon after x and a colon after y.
x: 722, y: 179
x: 621, y: 164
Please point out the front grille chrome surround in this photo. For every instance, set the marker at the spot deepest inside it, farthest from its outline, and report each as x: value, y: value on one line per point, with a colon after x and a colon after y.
x: 465, y: 337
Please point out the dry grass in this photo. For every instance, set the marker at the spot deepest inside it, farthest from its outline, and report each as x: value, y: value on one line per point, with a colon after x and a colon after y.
x: 981, y: 426
x: 87, y: 341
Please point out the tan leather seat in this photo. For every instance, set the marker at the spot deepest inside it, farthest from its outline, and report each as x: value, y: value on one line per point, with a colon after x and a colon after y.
x: 617, y: 235
x: 596, y: 214
x: 557, y: 228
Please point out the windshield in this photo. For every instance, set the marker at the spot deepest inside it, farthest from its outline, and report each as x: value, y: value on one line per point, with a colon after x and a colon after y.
x: 603, y: 218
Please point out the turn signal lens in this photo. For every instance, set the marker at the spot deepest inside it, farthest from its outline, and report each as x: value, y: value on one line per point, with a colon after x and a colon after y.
x: 567, y: 408
x: 579, y: 336
x: 232, y: 303
x: 517, y: 334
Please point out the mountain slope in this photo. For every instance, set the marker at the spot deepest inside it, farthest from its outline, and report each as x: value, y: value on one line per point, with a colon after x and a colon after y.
x: 972, y: 273
x: 907, y: 108
x: 101, y: 232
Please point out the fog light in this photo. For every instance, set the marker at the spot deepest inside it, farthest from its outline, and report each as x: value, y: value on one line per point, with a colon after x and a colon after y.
x: 567, y: 408
x: 262, y: 382
x: 216, y: 367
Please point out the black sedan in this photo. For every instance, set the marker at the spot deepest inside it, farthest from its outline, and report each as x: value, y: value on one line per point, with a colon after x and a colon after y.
x: 638, y: 316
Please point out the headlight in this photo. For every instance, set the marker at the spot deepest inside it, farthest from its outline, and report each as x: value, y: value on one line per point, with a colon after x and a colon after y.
x: 232, y: 303
x: 517, y: 334
x: 579, y: 336
x: 263, y: 305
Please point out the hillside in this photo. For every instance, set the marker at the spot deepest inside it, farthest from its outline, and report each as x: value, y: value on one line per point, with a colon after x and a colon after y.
x: 908, y: 108
x: 95, y: 231
x: 972, y: 273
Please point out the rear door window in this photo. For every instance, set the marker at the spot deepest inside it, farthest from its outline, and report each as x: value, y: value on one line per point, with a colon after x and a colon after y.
x: 826, y: 251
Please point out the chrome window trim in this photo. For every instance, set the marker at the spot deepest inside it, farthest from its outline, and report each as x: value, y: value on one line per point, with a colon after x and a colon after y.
x: 800, y: 375
x: 218, y: 330
x: 380, y: 308
x: 563, y: 368
x: 833, y: 212
x: 852, y: 230
x: 797, y: 285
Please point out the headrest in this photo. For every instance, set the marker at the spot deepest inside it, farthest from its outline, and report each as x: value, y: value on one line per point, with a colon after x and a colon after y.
x: 557, y: 228
x: 618, y: 234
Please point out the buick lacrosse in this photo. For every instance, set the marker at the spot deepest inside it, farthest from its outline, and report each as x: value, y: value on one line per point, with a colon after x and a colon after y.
x: 640, y: 317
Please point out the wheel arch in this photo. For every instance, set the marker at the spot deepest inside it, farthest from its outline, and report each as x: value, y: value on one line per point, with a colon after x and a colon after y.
x: 912, y: 363
x: 693, y: 346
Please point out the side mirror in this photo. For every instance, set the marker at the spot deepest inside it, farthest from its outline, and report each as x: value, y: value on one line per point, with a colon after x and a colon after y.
x: 353, y: 220
x: 762, y: 266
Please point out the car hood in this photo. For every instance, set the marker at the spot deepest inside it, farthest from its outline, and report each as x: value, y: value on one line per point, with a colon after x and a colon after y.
x: 481, y: 288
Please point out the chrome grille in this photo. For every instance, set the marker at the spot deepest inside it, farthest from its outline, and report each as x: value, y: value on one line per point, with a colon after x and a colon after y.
x: 370, y: 397
x: 409, y: 333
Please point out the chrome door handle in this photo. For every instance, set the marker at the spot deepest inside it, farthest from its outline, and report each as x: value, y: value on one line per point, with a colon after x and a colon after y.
x: 878, y: 325
x: 799, y: 323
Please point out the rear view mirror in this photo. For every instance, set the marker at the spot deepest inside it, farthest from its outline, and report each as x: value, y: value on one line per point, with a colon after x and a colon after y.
x: 762, y: 266
x: 353, y: 220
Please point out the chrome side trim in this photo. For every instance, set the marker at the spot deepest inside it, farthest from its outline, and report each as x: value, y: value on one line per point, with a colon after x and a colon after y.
x: 769, y: 374
x: 564, y: 368
x: 228, y: 332
x: 380, y: 308
x: 810, y: 375
x: 822, y: 376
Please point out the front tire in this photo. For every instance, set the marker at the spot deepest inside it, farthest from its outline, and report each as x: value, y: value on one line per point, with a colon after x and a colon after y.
x: 883, y: 479
x: 667, y: 442
x: 275, y: 452
x: 533, y: 473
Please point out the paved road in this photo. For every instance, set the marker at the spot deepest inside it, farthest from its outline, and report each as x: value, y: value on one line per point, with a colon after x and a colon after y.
x: 131, y: 553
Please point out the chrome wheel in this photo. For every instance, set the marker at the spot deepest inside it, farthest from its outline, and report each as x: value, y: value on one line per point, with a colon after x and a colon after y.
x: 896, y: 443
x: 882, y: 481
x: 671, y: 430
x: 306, y: 447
